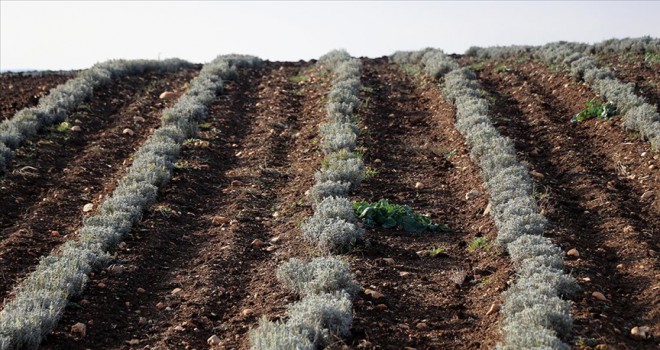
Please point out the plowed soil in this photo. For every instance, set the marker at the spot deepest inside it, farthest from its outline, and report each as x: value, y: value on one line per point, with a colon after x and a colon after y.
x: 202, y: 262
x: 55, y: 176
x: 22, y: 90
x: 591, y: 181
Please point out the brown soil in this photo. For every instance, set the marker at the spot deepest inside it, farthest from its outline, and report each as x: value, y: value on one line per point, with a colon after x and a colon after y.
x: 634, y: 68
x: 590, y: 179
x: 179, y: 278
x: 410, y: 138
x: 54, y: 177
x: 21, y: 91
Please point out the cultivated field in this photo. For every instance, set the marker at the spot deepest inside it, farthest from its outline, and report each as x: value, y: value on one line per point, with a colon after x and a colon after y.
x: 169, y: 205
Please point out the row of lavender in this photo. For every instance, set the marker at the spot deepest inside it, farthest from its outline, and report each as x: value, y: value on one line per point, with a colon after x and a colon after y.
x: 637, y: 114
x: 63, y: 99
x: 41, y: 298
x: 325, y: 283
x: 535, y: 315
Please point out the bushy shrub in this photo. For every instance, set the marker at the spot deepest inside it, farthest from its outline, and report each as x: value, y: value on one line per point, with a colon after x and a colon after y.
x: 278, y: 335
x: 331, y: 235
x: 323, y: 316
x: 321, y: 275
x: 322, y: 190
x: 348, y: 170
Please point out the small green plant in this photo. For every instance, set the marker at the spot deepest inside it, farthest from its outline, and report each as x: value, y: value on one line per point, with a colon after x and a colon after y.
x: 595, y: 108
x: 370, y: 172
x: 63, y: 126
x: 298, y: 78
x: 437, y: 250
x: 485, y: 281
x: 652, y: 57
x: 500, y: 68
x: 383, y: 213
x: 478, y: 66
x: 450, y: 154
x: 479, y: 243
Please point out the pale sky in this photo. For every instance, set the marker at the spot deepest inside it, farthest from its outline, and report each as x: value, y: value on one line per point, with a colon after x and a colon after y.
x: 72, y: 35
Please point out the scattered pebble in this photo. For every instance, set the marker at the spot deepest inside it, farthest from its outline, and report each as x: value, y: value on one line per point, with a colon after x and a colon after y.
x: 272, y: 248
x: 404, y: 274
x: 141, y: 290
x: 168, y: 95
x: 214, y: 340
x: 374, y: 294
x: 128, y: 132
x: 495, y: 307
x: 219, y: 220
x: 160, y: 305
x: 599, y: 296
x: 419, y: 185
x: 536, y: 174
x: 76, y: 128
x: 472, y: 194
x: 54, y: 234
x: 640, y: 333
x: 88, y: 207
x: 421, y: 326
x: 275, y: 239
x: 247, y: 312
x: 176, y: 291
x: 381, y: 307
x: 573, y: 252
x: 139, y: 119
x: 487, y: 210
x: 388, y: 261
x: 133, y: 342
x: 142, y: 321
x: 257, y: 243
x: 79, y: 328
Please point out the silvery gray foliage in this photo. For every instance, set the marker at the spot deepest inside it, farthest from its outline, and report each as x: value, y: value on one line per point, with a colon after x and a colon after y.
x: 331, y: 235
x: 40, y: 299
x: 437, y: 64
x: 499, y: 52
x: 336, y: 208
x: 322, y: 190
x: 636, y: 113
x: 637, y: 45
x: 64, y: 98
x: 324, y: 317
x: 320, y: 275
x: 534, y: 297
x: 331, y: 59
x: 338, y: 136
x: 278, y: 335
x: 345, y: 170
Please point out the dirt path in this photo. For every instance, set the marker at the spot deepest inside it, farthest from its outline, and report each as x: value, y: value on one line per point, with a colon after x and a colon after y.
x: 634, y: 68
x: 22, y: 91
x: 410, y: 138
x: 55, y: 177
x: 251, y: 167
x: 590, y: 181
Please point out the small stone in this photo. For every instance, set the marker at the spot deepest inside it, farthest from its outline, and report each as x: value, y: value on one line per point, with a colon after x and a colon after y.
x: 168, y: 95
x: 88, y: 207
x: 128, y: 132
x: 628, y: 229
x: 381, y: 307
x: 54, y: 234
x: 495, y: 307
x: 138, y: 119
x: 176, y: 291
x: 472, y: 195
x: 141, y: 290
x: 573, y: 252
x: 272, y: 248
x: 536, y: 174
x: 374, y: 294
x: 276, y: 214
x: 423, y: 253
x: 275, y: 239
x: 599, y: 296
x: 122, y: 245
x: 619, y: 266
x: 647, y: 195
x: 388, y: 261
x: 160, y: 305
x: 247, y: 312
x: 76, y: 128
x: 214, y: 340
x: 133, y: 342
x: 421, y: 326
x: 116, y: 269
x: 404, y: 274
x: 257, y: 243
x: 235, y: 183
x: 219, y: 220
x: 487, y: 210
x: 79, y: 328
x: 142, y: 321
x: 179, y: 329
x: 101, y: 285
x: 419, y: 185
x: 640, y: 333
